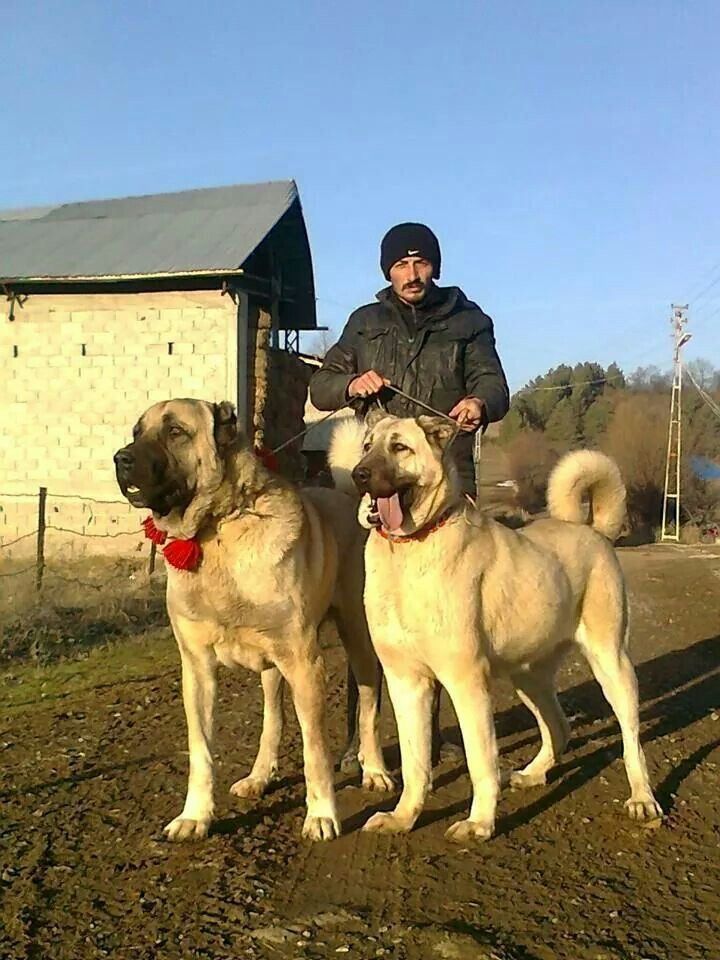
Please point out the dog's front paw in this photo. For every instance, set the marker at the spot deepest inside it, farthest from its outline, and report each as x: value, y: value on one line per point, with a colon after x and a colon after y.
x: 181, y: 828
x: 320, y: 828
x: 645, y: 809
x: 387, y: 823
x: 469, y: 831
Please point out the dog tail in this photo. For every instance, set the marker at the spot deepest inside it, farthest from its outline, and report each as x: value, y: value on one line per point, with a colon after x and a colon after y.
x: 593, y: 475
x: 345, y: 452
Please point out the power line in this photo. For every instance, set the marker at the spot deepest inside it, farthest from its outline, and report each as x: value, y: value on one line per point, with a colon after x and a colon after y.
x: 709, y: 316
x: 702, y: 279
x: 705, y: 290
x: 570, y: 385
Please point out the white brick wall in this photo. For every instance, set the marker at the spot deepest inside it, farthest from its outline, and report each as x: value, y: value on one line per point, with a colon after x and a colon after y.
x: 64, y: 414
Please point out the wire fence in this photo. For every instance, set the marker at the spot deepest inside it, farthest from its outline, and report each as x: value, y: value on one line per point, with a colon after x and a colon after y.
x: 40, y: 531
x: 56, y: 602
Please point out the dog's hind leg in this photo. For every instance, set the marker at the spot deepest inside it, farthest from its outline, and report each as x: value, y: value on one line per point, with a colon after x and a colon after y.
x: 365, y: 681
x: 442, y: 749
x: 349, y: 762
x: 265, y: 768
x: 616, y: 675
x: 602, y: 636
x: 536, y: 689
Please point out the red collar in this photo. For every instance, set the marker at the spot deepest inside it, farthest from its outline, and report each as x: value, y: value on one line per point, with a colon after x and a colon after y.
x: 422, y: 534
x: 187, y: 554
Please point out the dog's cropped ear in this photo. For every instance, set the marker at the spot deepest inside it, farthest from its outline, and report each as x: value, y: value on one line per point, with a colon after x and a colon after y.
x: 438, y: 430
x: 225, y: 429
x: 375, y: 415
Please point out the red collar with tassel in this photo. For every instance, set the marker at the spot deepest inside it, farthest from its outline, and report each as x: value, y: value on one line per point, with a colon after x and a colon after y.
x: 187, y: 554
x: 179, y: 553
x: 422, y: 534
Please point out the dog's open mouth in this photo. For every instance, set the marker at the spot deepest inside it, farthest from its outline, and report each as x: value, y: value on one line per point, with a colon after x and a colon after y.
x: 388, y: 512
x: 135, y: 496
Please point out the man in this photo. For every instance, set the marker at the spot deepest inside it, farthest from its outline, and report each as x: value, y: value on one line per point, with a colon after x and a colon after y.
x: 431, y: 342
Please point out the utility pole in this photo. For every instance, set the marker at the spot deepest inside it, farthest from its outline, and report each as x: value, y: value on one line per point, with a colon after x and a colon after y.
x: 674, y: 448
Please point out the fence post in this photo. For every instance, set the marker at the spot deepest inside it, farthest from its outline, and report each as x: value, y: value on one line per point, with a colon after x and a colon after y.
x: 40, y: 561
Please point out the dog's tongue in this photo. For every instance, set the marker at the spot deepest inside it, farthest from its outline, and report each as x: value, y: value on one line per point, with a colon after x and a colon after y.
x: 390, y: 512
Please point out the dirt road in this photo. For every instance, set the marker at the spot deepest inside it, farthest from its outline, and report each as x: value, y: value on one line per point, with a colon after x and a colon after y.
x: 92, y: 764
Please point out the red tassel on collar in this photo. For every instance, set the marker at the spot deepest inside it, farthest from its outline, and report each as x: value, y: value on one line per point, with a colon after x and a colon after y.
x: 181, y: 554
x: 152, y: 532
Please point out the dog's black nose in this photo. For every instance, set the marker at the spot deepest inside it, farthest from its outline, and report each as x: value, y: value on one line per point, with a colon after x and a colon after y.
x: 361, y: 476
x: 124, y: 459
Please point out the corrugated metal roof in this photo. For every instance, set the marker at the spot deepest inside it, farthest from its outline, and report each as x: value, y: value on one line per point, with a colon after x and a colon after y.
x: 168, y: 233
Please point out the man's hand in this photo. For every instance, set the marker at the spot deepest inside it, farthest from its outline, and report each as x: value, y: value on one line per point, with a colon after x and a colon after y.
x: 367, y: 384
x: 469, y: 413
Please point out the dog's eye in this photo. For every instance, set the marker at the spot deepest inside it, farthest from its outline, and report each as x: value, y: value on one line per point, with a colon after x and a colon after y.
x: 366, y: 447
x: 400, y: 448
x: 176, y: 432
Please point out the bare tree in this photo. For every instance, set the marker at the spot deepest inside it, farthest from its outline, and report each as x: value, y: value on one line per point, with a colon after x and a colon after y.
x: 321, y: 343
x: 704, y: 373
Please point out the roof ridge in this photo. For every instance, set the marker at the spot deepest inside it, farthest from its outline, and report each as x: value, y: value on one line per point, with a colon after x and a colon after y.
x: 42, y: 211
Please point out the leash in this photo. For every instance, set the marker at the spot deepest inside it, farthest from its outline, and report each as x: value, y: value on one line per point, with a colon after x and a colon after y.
x: 420, y: 403
x: 388, y: 386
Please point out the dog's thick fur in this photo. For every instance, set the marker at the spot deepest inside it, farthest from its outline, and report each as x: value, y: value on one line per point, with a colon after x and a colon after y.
x: 274, y: 561
x: 472, y: 597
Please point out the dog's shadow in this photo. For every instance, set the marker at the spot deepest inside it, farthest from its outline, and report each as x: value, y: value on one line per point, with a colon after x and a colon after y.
x: 676, y: 690
x: 286, y: 794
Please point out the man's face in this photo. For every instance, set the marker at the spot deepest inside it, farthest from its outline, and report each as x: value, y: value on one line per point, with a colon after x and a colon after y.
x: 411, y: 278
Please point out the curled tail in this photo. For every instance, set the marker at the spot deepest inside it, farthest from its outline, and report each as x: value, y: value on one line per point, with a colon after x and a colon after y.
x: 593, y: 475
x: 345, y: 452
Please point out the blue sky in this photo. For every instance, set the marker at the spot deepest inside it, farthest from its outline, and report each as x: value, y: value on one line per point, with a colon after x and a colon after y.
x: 565, y: 151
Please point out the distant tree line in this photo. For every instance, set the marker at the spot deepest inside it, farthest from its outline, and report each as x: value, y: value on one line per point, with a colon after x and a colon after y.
x: 588, y: 405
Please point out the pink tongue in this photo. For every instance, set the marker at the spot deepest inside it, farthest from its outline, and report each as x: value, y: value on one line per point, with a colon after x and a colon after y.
x: 390, y: 512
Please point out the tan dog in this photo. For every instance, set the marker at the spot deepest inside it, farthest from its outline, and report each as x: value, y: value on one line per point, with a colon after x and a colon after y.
x: 451, y: 595
x: 274, y: 560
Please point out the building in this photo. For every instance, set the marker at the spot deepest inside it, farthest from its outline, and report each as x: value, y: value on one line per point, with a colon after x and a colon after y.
x: 109, y: 306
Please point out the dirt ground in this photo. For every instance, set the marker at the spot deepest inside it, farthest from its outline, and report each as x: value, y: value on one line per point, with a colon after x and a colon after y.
x: 93, y: 763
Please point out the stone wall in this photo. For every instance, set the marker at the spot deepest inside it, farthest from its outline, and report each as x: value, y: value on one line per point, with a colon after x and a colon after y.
x: 278, y: 384
x: 77, y: 372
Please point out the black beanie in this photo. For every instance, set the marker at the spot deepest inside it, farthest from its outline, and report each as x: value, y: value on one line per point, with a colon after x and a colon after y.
x: 409, y: 240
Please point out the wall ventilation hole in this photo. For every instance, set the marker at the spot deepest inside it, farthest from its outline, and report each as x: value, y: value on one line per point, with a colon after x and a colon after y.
x: 83, y: 350
x: 170, y: 348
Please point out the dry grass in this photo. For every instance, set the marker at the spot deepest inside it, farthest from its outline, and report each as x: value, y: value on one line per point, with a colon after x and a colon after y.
x: 81, y: 604
x: 637, y: 441
x: 531, y: 457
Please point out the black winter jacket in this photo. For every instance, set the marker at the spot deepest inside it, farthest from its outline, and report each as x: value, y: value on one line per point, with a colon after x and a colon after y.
x: 440, y: 351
